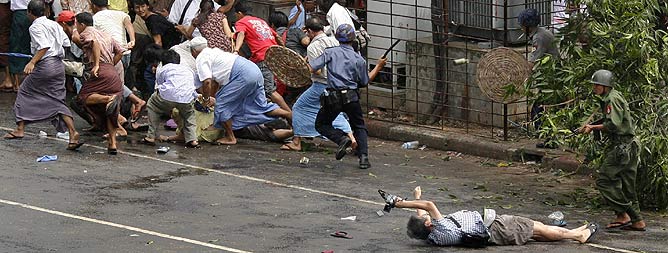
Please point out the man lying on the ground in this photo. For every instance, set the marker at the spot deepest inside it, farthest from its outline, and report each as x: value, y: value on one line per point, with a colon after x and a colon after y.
x: 455, y: 228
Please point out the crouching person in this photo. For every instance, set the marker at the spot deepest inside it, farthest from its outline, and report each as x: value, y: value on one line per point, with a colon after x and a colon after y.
x: 464, y: 228
x: 175, y: 88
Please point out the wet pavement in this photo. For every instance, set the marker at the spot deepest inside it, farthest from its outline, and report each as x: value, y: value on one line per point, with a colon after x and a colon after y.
x: 255, y: 197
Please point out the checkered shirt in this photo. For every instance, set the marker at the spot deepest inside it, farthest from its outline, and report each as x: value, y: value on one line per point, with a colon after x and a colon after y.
x: 446, y: 233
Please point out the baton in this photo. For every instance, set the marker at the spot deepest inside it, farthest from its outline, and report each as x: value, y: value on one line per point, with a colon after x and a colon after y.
x: 390, y: 49
x: 18, y: 55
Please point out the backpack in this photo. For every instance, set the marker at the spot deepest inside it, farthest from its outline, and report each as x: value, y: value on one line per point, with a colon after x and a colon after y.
x: 472, y: 239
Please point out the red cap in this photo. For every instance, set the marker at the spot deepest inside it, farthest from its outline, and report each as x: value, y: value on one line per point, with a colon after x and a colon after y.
x: 65, y: 16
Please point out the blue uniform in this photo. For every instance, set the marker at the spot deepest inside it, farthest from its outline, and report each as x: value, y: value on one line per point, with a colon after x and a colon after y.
x: 346, y: 69
x: 346, y: 72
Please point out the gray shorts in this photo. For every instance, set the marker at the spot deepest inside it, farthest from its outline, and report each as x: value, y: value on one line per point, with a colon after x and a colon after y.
x: 269, y: 84
x: 510, y: 230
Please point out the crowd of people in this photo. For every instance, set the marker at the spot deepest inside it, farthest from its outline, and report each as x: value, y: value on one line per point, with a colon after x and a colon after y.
x: 185, y: 62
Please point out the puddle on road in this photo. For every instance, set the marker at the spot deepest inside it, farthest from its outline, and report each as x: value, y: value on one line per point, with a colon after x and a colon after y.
x: 151, y: 181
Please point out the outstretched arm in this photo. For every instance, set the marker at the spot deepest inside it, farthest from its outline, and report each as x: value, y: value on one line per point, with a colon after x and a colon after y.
x: 379, y: 66
x: 422, y: 206
x: 417, y: 194
x: 425, y: 205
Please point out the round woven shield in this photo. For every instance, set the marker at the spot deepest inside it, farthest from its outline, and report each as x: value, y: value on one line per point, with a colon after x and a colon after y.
x: 288, y: 66
x: 499, y: 68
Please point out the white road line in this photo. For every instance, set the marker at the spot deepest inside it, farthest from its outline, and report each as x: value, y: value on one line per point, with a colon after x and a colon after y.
x: 611, y: 248
x: 149, y: 232
x: 276, y: 183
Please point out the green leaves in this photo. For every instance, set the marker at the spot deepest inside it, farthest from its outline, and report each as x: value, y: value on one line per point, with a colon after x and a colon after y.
x: 617, y: 35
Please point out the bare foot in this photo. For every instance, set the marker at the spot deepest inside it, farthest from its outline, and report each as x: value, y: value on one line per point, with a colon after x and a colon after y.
x: 583, y: 227
x: 173, y: 138
x: 7, y: 83
x: 620, y: 221
x: 292, y: 146
x: 74, y: 138
x: 121, y: 132
x: 14, y: 135
x: 226, y: 141
x: 582, y: 238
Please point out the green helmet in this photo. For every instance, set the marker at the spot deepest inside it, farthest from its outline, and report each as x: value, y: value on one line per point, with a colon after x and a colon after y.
x: 602, y: 77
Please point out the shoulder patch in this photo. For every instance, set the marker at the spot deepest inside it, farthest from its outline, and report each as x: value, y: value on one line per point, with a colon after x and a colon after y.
x: 608, y: 109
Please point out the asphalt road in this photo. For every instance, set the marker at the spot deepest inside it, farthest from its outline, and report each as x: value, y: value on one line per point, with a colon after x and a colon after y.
x: 253, y: 197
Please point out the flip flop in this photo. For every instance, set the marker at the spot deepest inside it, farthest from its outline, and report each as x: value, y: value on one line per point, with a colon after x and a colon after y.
x: 191, y: 145
x: 288, y: 147
x: 74, y: 146
x: 617, y: 224
x: 593, y: 228
x: 341, y: 234
x: 630, y: 228
x: 10, y: 136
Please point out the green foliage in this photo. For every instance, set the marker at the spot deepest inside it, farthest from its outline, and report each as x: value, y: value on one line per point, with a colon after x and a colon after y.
x: 620, y: 36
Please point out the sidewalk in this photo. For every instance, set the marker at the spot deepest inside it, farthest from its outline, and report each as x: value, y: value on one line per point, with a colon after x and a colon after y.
x: 510, y: 151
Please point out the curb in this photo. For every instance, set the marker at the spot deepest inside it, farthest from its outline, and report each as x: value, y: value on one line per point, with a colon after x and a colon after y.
x: 471, y: 145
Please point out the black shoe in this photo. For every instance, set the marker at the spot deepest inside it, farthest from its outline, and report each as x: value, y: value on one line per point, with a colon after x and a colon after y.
x: 343, y: 146
x: 364, y: 162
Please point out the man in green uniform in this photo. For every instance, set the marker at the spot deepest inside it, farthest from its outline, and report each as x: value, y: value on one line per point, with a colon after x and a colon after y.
x: 617, y: 174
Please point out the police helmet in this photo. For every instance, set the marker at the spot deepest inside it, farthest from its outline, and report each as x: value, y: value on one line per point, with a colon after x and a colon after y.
x: 602, y: 77
x: 529, y: 18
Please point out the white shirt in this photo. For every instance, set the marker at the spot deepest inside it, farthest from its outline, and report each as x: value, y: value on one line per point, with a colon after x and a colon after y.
x: 111, y: 22
x: 45, y: 33
x: 336, y: 16
x: 315, y: 49
x: 176, y: 83
x: 216, y: 64
x: 187, y: 58
x: 191, y: 13
x: 16, y: 5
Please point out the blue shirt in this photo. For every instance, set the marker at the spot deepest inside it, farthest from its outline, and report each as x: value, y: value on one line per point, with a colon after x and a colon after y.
x: 346, y: 69
x: 299, y: 23
x: 446, y: 233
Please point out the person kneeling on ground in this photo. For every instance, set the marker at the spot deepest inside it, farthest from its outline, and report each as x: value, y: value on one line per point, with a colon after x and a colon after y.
x: 238, y: 86
x: 206, y: 132
x: 175, y: 89
x: 450, y: 230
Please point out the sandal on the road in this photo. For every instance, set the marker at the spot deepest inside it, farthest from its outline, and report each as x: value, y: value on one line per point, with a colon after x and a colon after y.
x: 145, y: 141
x: 192, y: 145
x: 341, y: 234
x: 74, y: 146
x: 593, y: 228
x: 631, y: 228
x: 617, y: 224
x: 11, y: 135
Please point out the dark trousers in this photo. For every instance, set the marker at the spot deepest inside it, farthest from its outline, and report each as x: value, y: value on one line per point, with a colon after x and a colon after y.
x: 326, y: 115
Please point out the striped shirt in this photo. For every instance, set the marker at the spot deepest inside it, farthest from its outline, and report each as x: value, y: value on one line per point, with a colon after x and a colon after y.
x: 446, y: 233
